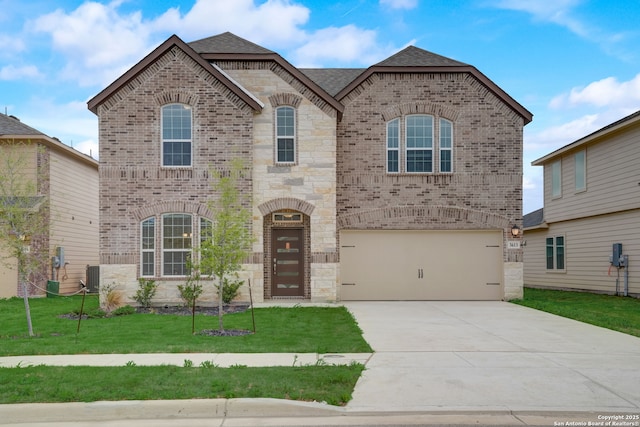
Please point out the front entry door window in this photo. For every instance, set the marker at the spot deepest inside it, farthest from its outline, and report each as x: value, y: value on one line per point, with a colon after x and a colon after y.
x: 288, y: 262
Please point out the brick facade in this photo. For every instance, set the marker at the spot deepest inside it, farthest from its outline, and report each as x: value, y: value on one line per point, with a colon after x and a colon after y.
x: 338, y: 180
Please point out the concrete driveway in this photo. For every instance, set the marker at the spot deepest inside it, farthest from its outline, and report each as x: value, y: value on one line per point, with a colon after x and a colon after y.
x: 492, y: 356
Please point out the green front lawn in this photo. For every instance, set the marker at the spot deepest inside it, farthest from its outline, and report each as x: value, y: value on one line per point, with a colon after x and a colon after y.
x: 330, y: 384
x: 620, y: 314
x: 278, y: 330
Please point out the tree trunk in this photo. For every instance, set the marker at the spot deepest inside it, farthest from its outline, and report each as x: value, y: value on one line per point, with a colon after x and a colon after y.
x: 26, y: 304
x: 220, y: 307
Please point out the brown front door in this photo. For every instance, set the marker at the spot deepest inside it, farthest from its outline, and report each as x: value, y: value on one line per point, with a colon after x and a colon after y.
x: 287, y: 252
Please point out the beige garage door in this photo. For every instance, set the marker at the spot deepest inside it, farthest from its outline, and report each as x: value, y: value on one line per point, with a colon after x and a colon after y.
x: 421, y: 265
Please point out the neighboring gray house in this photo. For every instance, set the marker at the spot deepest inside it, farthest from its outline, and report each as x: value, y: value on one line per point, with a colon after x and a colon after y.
x: 591, y: 202
x: 400, y: 181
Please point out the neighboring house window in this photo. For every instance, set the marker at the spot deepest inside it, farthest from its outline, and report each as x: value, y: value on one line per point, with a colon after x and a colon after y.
x: 176, y: 135
x: 285, y: 135
x: 419, y: 144
x: 580, y: 160
x: 176, y: 244
x: 148, y: 247
x: 423, y: 148
x: 446, y: 145
x: 556, y: 179
x: 555, y: 253
x: 393, y: 146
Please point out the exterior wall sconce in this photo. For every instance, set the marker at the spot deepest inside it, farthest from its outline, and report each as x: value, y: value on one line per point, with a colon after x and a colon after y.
x: 515, y: 231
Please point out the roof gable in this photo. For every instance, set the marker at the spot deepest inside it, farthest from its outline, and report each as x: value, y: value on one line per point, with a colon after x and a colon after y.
x: 157, y: 53
x: 412, y: 56
x: 416, y: 60
x: 227, y: 43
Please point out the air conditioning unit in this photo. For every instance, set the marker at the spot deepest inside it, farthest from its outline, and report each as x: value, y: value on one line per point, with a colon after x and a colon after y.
x: 93, y: 278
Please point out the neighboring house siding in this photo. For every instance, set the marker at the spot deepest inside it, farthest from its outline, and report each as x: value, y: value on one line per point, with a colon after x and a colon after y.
x: 612, y: 179
x: 591, y: 219
x: 74, y: 218
x: 588, y: 245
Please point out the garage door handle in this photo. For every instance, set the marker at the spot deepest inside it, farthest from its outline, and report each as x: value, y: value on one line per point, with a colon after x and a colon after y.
x: 420, y: 273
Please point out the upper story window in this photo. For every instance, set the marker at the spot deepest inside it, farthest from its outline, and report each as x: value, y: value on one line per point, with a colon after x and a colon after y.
x: 556, y: 179
x: 176, y: 135
x: 580, y: 165
x: 446, y: 146
x: 285, y: 135
x: 393, y: 146
x: 421, y: 150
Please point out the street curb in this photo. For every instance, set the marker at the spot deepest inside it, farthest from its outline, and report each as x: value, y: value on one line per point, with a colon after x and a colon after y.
x: 247, y: 409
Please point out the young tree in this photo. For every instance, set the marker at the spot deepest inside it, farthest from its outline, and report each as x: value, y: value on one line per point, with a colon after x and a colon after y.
x: 229, y: 240
x: 23, y: 214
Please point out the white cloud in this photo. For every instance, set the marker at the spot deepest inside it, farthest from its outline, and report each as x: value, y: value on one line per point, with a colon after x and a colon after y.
x: 348, y: 44
x: 11, y: 72
x: 608, y: 92
x: 557, y: 11
x: 97, y: 42
x: 400, y: 4
x: 275, y: 21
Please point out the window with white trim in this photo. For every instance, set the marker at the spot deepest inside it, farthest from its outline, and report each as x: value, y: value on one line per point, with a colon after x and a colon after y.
x: 415, y: 145
x: 177, y: 236
x: 580, y: 166
x: 555, y: 253
x: 393, y: 146
x: 173, y: 245
x: 556, y: 179
x: 176, y: 135
x: 285, y: 135
x: 148, y: 247
x: 446, y: 146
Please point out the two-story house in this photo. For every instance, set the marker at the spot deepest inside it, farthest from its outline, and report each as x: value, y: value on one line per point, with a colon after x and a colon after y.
x: 591, y: 214
x: 399, y: 181
x: 68, y: 181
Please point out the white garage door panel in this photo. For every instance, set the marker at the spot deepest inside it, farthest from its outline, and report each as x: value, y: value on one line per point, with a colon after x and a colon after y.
x: 421, y: 265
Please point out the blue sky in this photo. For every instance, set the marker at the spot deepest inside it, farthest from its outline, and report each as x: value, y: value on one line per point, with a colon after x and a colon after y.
x: 575, y: 64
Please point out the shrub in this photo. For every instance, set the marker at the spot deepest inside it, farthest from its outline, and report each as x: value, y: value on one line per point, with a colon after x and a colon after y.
x: 230, y: 289
x: 111, y: 298
x: 146, y: 290
x: 123, y: 311
x: 190, y: 292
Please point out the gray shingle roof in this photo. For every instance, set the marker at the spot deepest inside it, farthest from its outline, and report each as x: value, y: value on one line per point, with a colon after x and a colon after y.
x: 226, y: 43
x: 533, y: 218
x: 10, y: 125
x: 333, y: 80
x: 415, y: 57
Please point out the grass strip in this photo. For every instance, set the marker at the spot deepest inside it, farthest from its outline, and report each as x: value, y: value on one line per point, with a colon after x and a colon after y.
x: 331, y: 384
x: 620, y: 314
x: 278, y: 330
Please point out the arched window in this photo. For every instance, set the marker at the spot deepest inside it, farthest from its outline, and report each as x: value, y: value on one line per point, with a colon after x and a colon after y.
x: 148, y: 247
x: 446, y: 146
x: 285, y: 135
x: 174, y: 246
x: 419, y: 143
x: 393, y: 146
x: 177, y: 236
x: 176, y: 135
x: 416, y: 145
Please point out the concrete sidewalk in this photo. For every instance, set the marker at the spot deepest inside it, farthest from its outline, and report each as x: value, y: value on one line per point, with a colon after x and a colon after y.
x: 222, y: 360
